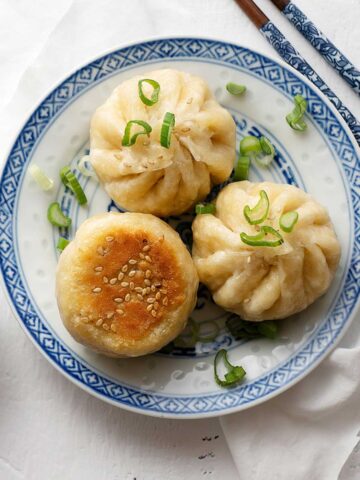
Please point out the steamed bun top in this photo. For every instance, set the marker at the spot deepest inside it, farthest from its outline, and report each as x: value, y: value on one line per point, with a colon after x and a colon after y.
x: 201, y: 153
x: 259, y: 282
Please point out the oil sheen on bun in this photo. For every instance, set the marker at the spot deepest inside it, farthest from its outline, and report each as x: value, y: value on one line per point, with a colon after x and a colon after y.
x: 126, y: 284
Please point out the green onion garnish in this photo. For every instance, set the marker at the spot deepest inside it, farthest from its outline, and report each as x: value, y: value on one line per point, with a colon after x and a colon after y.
x: 250, y: 146
x: 70, y: 181
x: 261, y: 240
x: 288, y: 221
x: 188, y: 342
x: 202, y: 208
x: 56, y: 216
x: 155, y: 94
x: 235, y: 89
x: 295, y: 118
x: 259, y: 149
x: 62, y: 243
x: 166, y: 129
x: 259, y: 213
x: 211, y: 336
x: 234, y: 375
x: 128, y: 140
x: 84, y: 168
x: 41, y: 178
x: 242, y: 167
x: 249, y: 330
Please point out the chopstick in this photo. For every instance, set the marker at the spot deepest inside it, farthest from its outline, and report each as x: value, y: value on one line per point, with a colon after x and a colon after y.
x: 323, y: 45
x: 291, y: 56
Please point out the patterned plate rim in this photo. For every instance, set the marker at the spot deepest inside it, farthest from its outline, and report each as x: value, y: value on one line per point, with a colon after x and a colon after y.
x: 206, y: 405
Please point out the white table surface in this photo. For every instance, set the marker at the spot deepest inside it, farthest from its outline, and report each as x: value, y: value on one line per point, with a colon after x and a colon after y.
x: 49, y: 428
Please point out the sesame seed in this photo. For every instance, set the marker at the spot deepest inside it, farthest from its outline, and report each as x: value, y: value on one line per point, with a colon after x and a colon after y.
x: 156, y: 305
x: 113, y: 281
x: 127, y: 297
x: 153, y: 288
x: 165, y: 301
x: 163, y: 290
x: 99, y: 322
x: 132, y: 261
x: 140, y: 297
x: 150, y: 300
x: 153, y: 313
x: 249, y: 259
x: 124, y: 268
x: 118, y: 300
x: 147, y: 290
x: 100, y: 250
x: 144, y: 291
x: 147, y: 282
x: 86, y: 319
x: 109, y: 239
x: 158, y: 295
x: 142, y: 256
x: 148, y: 273
x: 132, y: 285
x: 138, y: 289
x: 113, y: 327
x: 146, y: 248
x: 98, y: 269
x: 148, y: 259
x: 105, y: 326
x: 97, y: 290
x: 124, y: 284
x: 132, y: 273
x: 120, y: 311
x: 157, y: 284
x: 149, y: 308
x: 105, y: 279
x: 110, y: 315
x: 120, y: 276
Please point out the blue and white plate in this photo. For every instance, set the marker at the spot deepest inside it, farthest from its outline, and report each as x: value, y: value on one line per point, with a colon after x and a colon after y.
x: 178, y: 382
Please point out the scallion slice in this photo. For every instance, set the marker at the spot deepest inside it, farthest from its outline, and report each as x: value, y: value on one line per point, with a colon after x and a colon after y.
x: 62, y: 243
x: 235, y: 89
x: 70, y: 181
x: 250, y: 146
x: 188, y: 341
x: 205, y: 327
x: 234, y: 375
x: 288, y: 221
x: 84, y: 168
x: 128, y: 139
x: 44, y: 182
x: 259, y: 213
x: 202, y: 208
x: 295, y: 118
x: 262, y: 239
x: 250, y: 330
x: 56, y: 216
x: 166, y: 129
x: 155, y: 94
x: 242, y: 167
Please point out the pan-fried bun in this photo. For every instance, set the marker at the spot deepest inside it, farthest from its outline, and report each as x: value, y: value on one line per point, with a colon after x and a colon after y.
x: 126, y: 284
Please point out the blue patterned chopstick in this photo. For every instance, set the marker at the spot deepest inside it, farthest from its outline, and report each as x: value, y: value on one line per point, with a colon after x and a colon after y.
x: 323, y: 45
x: 291, y: 56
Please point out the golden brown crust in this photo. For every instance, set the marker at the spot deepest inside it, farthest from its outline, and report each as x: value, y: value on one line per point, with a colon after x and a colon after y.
x: 126, y: 280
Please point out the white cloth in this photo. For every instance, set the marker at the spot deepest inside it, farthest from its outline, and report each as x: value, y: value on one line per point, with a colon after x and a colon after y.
x: 305, y: 433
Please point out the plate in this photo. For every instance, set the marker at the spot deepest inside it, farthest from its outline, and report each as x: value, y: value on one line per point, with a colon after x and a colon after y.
x: 178, y: 382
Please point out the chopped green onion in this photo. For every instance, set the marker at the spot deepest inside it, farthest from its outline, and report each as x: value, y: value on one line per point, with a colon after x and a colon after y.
x: 155, y: 95
x: 56, y: 216
x: 235, y: 89
x: 260, y: 240
x: 70, y: 181
x: 62, y: 243
x: 83, y: 168
x: 166, y: 129
x: 202, y: 208
x: 188, y: 342
x: 288, y: 221
x: 128, y: 140
x: 259, y: 213
x: 250, y: 146
x: 242, y: 168
x: 234, y: 375
x: 295, y: 118
x: 41, y: 178
x: 210, y: 337
x: 250, y: 330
